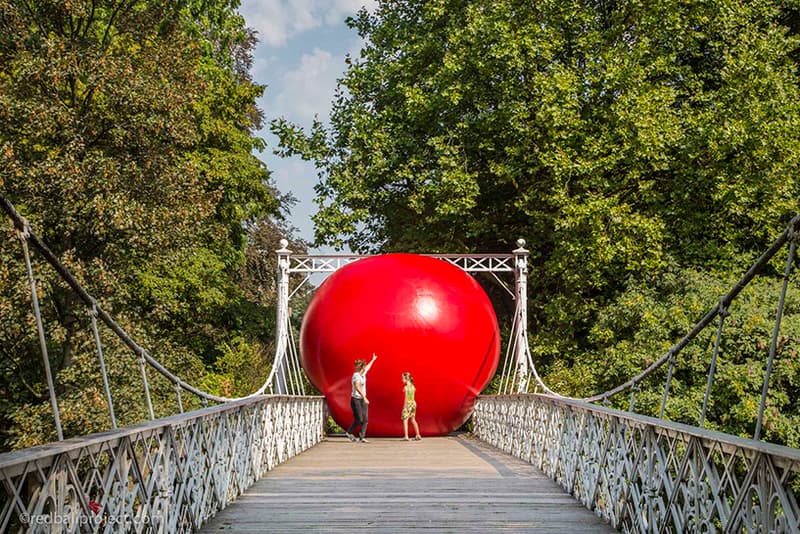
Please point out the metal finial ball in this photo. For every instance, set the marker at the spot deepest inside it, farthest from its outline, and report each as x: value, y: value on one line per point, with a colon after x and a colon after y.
x: 284, y: 243
x: 520, y: 243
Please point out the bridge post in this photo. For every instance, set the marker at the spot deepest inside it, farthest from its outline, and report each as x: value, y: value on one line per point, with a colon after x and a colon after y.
x: 722, y: 311
x: 145, y: 382
x: 282, y: 319
x: 101, y: 359
x: 792, y: 236
x: 23, y: 234
x: 521, y: 373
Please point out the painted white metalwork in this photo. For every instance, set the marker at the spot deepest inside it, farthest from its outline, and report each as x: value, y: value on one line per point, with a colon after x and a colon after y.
x: 521, y: 375
x: 645, y: 474
x: 480, y: 263
x: 168, y: 475
x: 471, y: 263
x: 277, y: 380
x: 286, y: 376
x: 320, y: 263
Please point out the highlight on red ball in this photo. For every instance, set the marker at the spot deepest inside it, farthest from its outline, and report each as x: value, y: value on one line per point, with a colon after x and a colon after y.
x: 418, y: 314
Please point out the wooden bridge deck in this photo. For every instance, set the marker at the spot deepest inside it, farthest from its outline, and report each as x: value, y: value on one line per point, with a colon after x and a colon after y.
x: 450, y: 484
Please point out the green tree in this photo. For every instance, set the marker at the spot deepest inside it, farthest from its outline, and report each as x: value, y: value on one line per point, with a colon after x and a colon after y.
x: 127, y: 138
x: 622, y: 139
x: 244, y: 365
x: 650, y: 315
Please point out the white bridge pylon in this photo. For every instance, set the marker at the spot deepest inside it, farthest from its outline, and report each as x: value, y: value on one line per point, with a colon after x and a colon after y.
x: 286, y: 374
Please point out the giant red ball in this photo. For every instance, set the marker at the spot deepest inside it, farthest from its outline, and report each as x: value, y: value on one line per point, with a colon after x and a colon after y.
x: 419, y: 314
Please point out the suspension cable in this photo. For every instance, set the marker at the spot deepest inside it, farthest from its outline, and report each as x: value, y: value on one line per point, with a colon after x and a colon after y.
x: 721, y: 307
x: 512, y: 339
x: 295, y: 358
x: 22, y: 225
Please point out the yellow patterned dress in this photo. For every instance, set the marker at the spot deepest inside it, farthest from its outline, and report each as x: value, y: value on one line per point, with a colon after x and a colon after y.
x: 410, y: 406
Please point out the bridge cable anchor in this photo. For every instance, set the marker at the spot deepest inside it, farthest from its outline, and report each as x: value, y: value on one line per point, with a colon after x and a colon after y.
x: 722, y: 309
x: 672, y: 359
x: 93, y: 312
x: 634, y: 388
x: 23, y: 228
x: 143, y: 367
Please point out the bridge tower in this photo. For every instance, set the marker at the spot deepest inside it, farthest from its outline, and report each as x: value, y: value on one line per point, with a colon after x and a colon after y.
x: 281, y: 361
x: 521, y: 374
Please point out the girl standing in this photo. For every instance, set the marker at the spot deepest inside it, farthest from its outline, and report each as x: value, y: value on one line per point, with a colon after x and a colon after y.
x: 410, y: 406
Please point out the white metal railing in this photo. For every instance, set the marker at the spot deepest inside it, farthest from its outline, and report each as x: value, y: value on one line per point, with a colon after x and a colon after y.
x: 168, y: 475
x: 644, y: 474
x: 471, y: 263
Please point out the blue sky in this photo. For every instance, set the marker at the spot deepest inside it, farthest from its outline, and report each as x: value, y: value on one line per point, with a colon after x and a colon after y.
x: 301, y: 53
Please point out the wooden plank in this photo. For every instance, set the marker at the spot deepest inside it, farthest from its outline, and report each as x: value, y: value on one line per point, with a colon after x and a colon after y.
x: 450, y: 484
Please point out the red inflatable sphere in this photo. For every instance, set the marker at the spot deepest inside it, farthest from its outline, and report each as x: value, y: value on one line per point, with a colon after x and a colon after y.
x: 418, y: 314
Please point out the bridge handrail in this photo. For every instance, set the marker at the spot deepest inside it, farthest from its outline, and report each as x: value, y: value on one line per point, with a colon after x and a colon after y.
x: 14, y: 459
x: 644, y: 474
x: 169, y: 474
x: 787, y: 456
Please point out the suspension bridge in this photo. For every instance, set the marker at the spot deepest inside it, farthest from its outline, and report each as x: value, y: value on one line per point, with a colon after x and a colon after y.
x: 533, y: 461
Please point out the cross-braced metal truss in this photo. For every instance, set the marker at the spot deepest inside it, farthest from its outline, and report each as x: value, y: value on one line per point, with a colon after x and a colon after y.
x: 646, y: 475
x: 169, y: 475
x: 471, y: 263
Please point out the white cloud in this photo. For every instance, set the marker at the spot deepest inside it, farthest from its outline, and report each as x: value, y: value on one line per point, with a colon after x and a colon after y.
x: 277, y: 21
x: 298, y: 178
x: 262, y: 67
x: 338, y: 10
x: 308, y: 90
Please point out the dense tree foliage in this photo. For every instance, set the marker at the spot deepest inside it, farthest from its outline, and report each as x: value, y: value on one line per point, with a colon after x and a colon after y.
x: 127, y: 139
x: 632, y: 143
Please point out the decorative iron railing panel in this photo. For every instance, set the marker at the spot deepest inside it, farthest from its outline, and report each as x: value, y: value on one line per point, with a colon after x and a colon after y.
x: 168, y: 475
x: 644, y: 474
